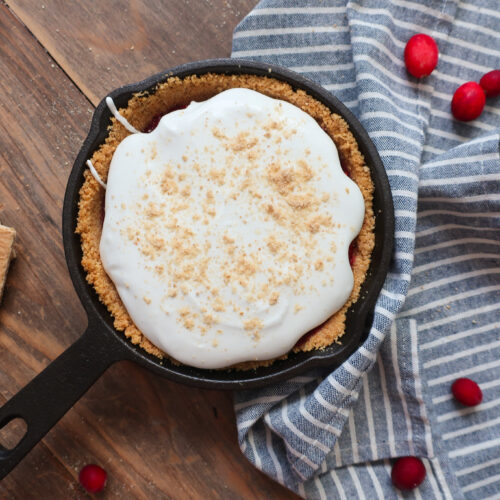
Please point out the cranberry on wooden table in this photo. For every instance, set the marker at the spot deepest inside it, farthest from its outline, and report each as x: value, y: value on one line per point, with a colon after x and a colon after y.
x: 408, y: 473
x: 93, y: 478
x: 421, y: 55
x: 467, y: 392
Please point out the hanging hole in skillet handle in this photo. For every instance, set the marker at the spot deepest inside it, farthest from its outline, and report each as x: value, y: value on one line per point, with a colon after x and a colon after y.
x: 12, y: 432
x: 55, y: 390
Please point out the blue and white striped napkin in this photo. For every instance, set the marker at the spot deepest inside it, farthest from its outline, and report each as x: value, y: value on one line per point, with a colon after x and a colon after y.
x: 332, y: 434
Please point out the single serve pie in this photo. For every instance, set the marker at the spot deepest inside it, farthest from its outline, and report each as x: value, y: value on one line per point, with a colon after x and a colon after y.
x: 227, y: 221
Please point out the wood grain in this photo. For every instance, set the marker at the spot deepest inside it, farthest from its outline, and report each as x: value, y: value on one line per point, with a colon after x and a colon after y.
x: 155, y: 438
x: 103, y: 45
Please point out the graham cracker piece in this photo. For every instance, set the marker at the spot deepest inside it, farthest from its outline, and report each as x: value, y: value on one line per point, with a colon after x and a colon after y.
x: 7, y: 238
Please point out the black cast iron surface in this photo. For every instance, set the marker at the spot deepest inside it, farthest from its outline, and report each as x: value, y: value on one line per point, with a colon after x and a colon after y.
x: 50, y: 395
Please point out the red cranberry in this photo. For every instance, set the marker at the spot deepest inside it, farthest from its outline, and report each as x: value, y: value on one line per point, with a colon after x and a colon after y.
x: 467, y: 392
x: 421, y: 55
x: 93, y: 478
x: 468, y: 102
x: 407, y: 473
x: 490, y: 83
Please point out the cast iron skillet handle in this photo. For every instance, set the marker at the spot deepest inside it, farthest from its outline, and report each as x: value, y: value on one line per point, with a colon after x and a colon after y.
x: 54, y: 391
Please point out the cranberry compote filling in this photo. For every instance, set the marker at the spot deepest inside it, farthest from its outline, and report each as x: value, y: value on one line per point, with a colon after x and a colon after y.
x: 153, y: 123
x: 305, y: 338
x: 344, y: 169
x: 156, y: 118
x: 352, y: 253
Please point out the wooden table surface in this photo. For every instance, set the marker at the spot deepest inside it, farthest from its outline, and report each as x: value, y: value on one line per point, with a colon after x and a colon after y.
x: 155, y: 438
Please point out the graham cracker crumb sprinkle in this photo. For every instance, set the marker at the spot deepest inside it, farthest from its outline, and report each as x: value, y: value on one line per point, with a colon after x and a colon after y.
x: 273, y: 299
x: 253, y: 324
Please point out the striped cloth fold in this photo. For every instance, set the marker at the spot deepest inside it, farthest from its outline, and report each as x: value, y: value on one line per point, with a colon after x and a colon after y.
x: 331, y: 434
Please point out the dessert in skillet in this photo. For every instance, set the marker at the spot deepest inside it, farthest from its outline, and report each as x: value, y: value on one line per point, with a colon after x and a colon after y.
x: 227, y: 227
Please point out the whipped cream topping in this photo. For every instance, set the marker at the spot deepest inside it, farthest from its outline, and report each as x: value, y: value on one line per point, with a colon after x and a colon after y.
x: 95, y: 175
x: 112, y: 107
x: 227, y: 229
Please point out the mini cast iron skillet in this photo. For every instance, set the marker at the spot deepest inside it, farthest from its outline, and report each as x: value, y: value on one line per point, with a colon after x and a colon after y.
x: 50, y: 395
